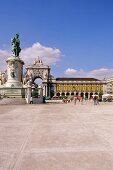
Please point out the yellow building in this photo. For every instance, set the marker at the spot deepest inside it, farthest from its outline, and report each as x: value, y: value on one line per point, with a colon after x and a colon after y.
x: 84, y: 87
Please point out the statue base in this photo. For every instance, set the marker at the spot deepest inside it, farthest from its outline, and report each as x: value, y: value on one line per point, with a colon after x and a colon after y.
x: 13, y: 84
x: 12, y: 92
x: 14, y: 72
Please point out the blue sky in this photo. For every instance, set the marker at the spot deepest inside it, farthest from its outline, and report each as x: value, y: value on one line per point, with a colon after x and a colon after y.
x: 82, y: 30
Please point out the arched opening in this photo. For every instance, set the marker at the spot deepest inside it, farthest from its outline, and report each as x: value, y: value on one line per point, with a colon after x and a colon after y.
x: 100, y: 95
x: 58, y: 94
x: 72, y: 94
x: 91, y: 95
x: 76, y: 94
x: 86, y: 95
x: 52, y: 90
x: 37, y: 90
x: 67, y: 94
x: 82, y: 94
x: 63, y: 94
x: 38, y: 81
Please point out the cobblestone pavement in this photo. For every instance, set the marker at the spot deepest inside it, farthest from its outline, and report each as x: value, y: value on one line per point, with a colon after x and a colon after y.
x: 56, y: 137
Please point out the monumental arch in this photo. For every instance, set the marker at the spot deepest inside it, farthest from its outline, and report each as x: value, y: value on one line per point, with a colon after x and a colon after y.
x: 39, y: 70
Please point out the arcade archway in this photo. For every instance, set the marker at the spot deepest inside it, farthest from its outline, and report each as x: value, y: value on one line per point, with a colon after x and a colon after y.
x: 39, y: 71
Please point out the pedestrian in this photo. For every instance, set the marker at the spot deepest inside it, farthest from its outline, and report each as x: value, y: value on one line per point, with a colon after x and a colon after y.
x: 75, y: 100
x: 81, y: 100
x: 95, y: 100
x: 44, y: 99
x: 31, y: 100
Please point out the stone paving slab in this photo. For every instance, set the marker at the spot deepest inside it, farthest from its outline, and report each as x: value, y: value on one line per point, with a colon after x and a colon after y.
x: 6, y: 160
x: 84, y: 160
x: 56, y: 137
x: 64, y: 135
x: 12, y: 137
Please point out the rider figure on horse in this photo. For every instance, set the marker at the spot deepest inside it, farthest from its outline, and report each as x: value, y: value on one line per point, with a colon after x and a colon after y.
x: 15, y: 42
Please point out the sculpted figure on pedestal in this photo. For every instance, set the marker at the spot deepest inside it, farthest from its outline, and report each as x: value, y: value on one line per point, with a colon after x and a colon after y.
x: 15, y: 42
x: 28, y: 77
x: 3, y: 78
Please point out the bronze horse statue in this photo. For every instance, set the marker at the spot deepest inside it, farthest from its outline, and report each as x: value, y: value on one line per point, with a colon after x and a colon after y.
x: 15, y: 42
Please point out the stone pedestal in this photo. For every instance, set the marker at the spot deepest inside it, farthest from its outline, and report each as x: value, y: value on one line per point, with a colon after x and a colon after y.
x: 14, y: 72
x: 7, y: 92
x: 13, y: 87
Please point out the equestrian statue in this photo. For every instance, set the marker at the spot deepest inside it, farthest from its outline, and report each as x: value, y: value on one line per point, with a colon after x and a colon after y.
x: 15, y: 42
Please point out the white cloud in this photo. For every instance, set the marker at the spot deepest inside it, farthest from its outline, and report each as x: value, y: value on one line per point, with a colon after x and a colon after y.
x: 97, y: 73
x: 47, y: 54
x: 3, y: 57
x: 101, y: 73
x: 70, y: 72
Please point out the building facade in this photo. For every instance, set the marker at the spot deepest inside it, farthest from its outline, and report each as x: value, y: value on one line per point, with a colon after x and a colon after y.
x: 109, y: 86
x: 85, y: 87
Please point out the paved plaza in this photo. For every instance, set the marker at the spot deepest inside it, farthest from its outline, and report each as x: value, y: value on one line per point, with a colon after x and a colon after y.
x: 56, y: 136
